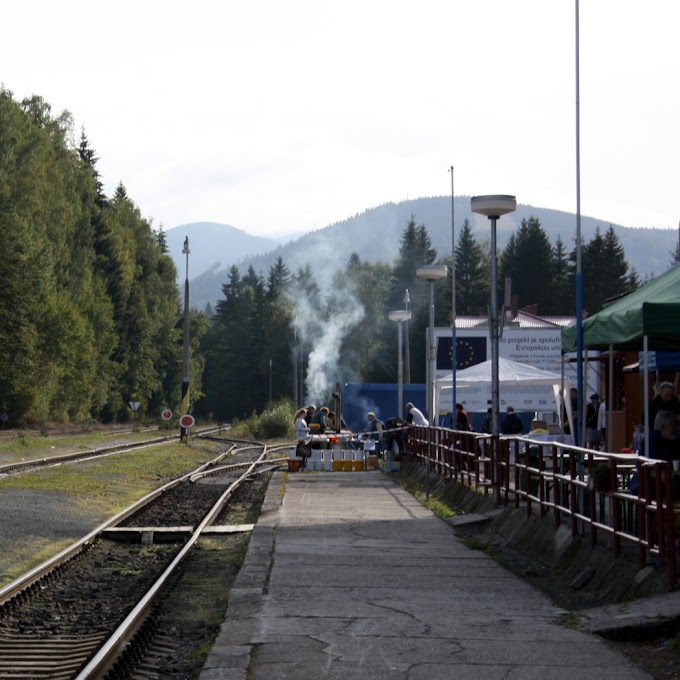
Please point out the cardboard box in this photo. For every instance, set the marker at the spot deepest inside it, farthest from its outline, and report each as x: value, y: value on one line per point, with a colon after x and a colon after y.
x: 373, y: 462
x: 539, y: 425
x: 295, y: 464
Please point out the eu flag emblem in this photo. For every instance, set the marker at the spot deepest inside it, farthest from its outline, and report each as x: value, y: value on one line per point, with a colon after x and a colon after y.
x: 469, y: 351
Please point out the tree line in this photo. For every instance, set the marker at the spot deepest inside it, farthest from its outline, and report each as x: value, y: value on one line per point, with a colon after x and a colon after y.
x: 91, y: 318
x: 283, y: 319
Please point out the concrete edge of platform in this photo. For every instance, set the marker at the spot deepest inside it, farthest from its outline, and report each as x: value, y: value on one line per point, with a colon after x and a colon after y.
x: 231, y: 652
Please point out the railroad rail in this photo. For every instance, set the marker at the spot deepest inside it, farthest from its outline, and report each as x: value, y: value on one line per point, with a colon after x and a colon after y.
x: 60, y: 459
x: 92, y: 653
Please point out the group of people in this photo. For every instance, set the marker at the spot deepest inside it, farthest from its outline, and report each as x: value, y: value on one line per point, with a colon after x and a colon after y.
x: 308, y: 420
x: 511, y: 423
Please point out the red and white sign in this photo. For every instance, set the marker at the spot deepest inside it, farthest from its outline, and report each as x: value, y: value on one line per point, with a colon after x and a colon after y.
x: 187, y: 421
x: 167, y: 414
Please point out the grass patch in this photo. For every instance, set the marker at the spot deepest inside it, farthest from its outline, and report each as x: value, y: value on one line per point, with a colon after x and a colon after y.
x: 28, y: 446
x: 571, y: 620
x: 110, y: 484
x: 33, y: 553
x: 437, y: 504
x: 476, y: 543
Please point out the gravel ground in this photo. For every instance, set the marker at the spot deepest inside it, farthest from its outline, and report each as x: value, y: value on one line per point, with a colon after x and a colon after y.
x: 26, y: 528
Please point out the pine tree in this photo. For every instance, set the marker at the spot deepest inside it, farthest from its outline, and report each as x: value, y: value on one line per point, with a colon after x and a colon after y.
x: 528, y: 261
x: 563, y: 294
x: 472, y: 274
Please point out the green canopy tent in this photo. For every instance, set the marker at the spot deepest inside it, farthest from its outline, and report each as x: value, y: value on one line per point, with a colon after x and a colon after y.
x: 651, y: 312
x: 648, y: 319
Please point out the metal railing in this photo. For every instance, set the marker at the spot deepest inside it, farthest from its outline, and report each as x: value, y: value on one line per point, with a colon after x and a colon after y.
x: 625, y: 498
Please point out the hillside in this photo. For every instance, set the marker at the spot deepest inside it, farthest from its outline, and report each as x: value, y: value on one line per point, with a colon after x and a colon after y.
x: 375, y: 234
x: 214, y: 247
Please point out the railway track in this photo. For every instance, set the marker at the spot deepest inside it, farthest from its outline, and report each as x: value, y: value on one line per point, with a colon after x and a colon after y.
x: 60, y: 459
x: 88, y: 612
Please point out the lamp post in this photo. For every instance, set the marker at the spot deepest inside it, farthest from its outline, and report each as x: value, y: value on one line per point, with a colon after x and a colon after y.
x: 399, y: 316
x: 296, y: 399
x: 431, y: 273
x: 270, y: 381
x: 407, y: 346
x: 454, y: 358
x: 186, y: 369
x: 493, y: 207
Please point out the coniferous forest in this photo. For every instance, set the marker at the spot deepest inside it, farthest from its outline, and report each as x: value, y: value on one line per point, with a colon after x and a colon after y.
x: 90, y: 314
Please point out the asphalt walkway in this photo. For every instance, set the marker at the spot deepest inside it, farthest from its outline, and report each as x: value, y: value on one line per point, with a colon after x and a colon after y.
x: 348, y: 576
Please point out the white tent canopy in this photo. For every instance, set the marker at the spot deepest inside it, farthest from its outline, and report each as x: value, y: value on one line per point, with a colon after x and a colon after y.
x: 523, y: 387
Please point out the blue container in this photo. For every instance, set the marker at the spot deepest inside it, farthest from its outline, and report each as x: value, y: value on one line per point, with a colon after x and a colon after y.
x: 381, y: 398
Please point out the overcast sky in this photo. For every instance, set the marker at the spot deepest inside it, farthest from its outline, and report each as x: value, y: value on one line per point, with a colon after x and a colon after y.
x: 284, y: 116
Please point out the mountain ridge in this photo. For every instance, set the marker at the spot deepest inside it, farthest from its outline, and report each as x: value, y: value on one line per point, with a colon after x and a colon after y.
x: 375, y: 235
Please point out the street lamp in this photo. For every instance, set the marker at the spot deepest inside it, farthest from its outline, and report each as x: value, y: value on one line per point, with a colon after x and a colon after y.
x: 407, y: 347
x: 493, y: 207
x: 399, y: 316
x: 186, y: 369
x: 431, y: 273
x: 270, y: 381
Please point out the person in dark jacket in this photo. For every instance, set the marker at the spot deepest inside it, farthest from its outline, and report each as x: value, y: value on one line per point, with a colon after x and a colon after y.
x: 665, y: 400
x: 664, y: 443
x: 512, y: 423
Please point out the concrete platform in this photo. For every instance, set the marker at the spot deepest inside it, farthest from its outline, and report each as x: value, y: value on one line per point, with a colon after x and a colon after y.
x: 350, y: 577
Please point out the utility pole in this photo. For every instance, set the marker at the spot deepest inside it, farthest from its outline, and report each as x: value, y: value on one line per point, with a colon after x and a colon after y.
x: 186, y: 369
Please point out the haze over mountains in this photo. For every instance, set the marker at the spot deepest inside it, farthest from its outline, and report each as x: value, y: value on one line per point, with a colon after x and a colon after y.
x: 375, y: 235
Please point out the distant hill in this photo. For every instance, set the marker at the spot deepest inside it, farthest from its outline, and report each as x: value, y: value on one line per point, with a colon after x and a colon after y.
x: 375, y: 235
x: 213, y: 246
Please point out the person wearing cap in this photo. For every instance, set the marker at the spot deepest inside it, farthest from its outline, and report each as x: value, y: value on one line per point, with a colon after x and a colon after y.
x: 593, y: 433
x: 375, y: 430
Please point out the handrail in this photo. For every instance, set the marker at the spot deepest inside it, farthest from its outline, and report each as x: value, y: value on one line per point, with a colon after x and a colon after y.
x: 588, y: 489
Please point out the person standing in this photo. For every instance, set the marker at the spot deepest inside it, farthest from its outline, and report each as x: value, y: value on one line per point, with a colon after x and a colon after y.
x: 375, y: 430
x: 462, y: 419
x: 602, y: 422
x: 319, y: 423
x: 512, y: 423
x: 665, y: 400
x: 415, y: 416
x: 301, y: 429
x: 488, y: 421
x: 593, y: 434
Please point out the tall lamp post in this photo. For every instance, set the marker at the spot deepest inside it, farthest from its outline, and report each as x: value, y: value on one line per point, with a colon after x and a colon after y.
x: 454, y: 358
x: 186, y: 369
x: 270, y: 381
x: 493, y: 207
x: 296, y: 399
x: 407, y: 348
x: 400, y: 315
x: 431, y: 273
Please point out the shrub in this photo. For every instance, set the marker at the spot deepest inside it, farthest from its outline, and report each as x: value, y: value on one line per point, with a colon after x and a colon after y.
x: 275, y: 421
